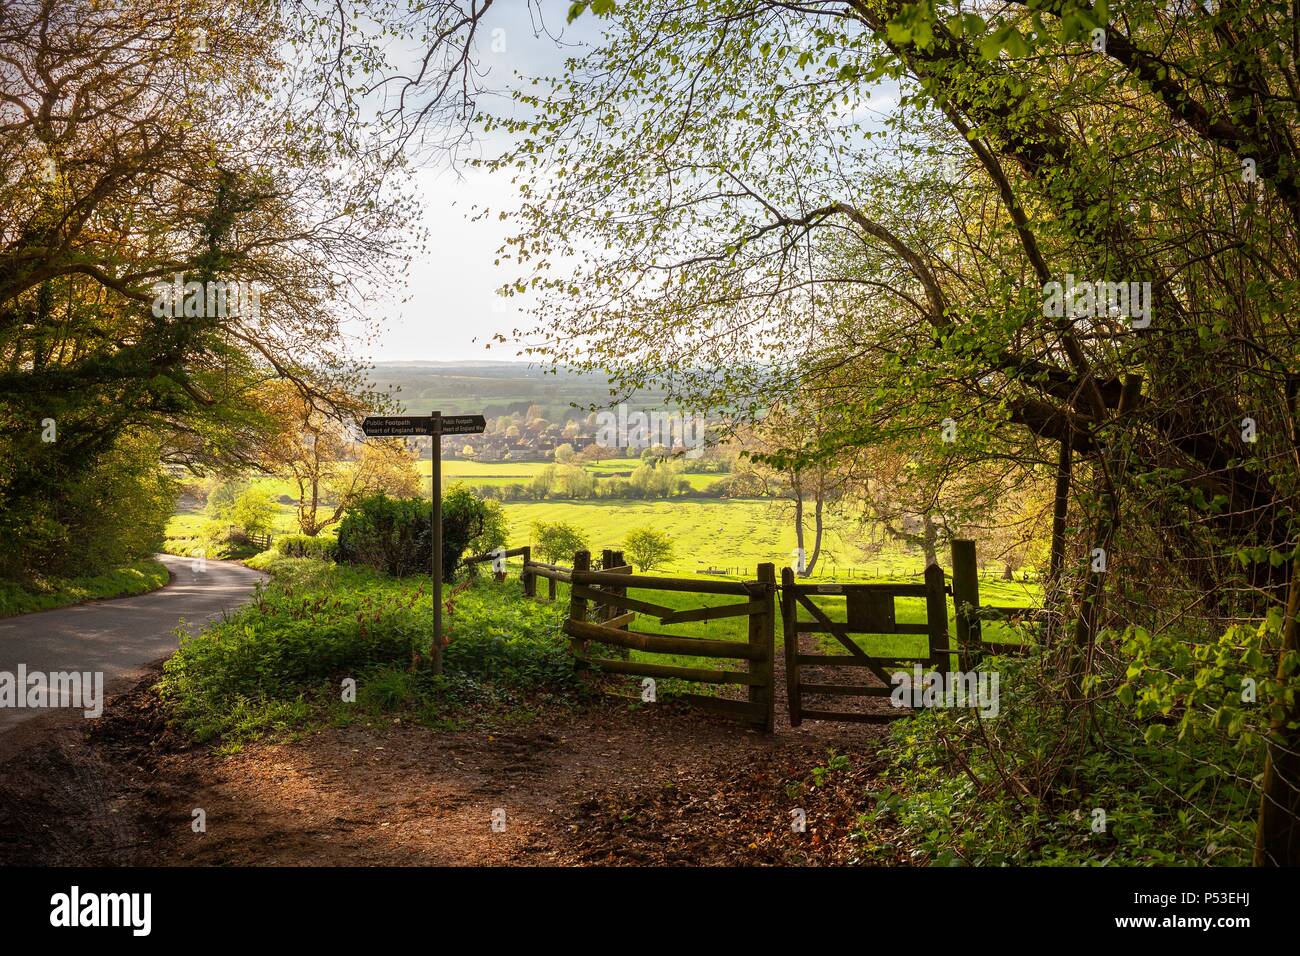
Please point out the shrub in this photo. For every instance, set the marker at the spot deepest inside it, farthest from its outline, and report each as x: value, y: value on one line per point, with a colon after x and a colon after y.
x: 557, y: 542
x: 392, y: 534
x: 648, y: 548
x: 389, y: 534
x: 305, y: 546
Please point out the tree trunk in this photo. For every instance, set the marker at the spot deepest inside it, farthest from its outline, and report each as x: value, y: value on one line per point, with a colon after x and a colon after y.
x: 928, y: 538
x: 817, y: 535
x: 1277, y: 835
x: 1060, y: 509
x: 798, y: 522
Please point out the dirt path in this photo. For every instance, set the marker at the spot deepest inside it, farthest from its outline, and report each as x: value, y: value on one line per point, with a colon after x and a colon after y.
x: 608, y: 785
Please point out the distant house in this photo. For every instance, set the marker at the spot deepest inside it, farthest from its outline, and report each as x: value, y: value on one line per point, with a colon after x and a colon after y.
x: 526, y: 453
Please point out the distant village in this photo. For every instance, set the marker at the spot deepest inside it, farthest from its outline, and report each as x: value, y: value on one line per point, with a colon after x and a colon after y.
x: 530, y: 436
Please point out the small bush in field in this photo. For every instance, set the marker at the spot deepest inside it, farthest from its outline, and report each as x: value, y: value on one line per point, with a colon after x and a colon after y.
x: 557, y: 542
x: 648, y: 548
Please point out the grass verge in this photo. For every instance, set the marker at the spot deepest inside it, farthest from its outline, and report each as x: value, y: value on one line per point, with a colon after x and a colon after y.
x: 326, y: 644
x: 138, y: 577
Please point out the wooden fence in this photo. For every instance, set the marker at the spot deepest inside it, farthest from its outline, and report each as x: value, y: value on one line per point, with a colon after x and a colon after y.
x: 602, y: 612
x: 262, y: 541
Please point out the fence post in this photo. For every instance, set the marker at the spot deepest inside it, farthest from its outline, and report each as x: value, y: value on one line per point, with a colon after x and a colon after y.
x: 966, y: 591
x: 610, y: 559
x: 578, y: 605
x: 530, y: 579
x: 790, y: 636
x: 620, y: 562
x: 762, y: 634
x: 936, y: 619
x: 606, y: 562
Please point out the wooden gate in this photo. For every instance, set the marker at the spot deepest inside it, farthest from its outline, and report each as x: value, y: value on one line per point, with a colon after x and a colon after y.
x: 868, y: 609
x: 608, y: 591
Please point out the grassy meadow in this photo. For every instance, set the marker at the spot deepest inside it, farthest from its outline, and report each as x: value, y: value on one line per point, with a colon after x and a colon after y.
x: 503, y: 473
x: 732, y: 535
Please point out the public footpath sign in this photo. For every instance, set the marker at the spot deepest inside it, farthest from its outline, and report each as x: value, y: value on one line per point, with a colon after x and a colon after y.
x: 435, y: 426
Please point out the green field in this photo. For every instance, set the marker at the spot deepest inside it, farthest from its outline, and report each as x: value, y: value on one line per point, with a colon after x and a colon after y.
x: 502, y: 473
x: 730, y: 533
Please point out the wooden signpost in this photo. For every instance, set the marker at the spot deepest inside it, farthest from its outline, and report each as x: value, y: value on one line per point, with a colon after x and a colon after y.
x: 435, y: 426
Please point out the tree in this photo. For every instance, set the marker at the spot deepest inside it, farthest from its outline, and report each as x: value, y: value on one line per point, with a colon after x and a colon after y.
x: 123, y: 187
x: 494, y: 529
x: 771, y: 469
x: 315, y: 451
x: 758, y: 245
x: 648, y: 547
x: 557, y: 541
x: 254, y: 511
x: 564, y: 454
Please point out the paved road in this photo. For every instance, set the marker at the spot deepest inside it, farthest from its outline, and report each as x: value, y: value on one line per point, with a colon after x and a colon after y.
x: 120, y: 637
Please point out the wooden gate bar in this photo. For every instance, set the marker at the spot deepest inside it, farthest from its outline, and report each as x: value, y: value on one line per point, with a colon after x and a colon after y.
x: 704, y: 675
x: 620, y: 600
x: 662, y: 643
x: 714, y: 613
x: 790, y: 636
x: 588, y: 577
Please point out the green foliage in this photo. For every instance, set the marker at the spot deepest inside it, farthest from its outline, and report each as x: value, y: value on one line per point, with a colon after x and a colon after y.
x: 1162, y: 805
x: 44, y: 594
x: 109, y: 515
x: 253, y: 512
x: 305, y: 546
x: 648, y: 548
x: 389, y: 534
x: 1190, y: 690
x: 465, y: 518
x: 280, y: 661
x: 557, y: 542
x: 495, y: 531
x: 392, y: 534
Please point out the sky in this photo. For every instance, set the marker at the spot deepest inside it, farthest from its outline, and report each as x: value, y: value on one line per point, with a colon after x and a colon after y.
x: 451, y: 308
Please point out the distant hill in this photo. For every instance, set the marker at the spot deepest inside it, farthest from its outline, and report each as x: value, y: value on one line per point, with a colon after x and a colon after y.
x: 496, y: 388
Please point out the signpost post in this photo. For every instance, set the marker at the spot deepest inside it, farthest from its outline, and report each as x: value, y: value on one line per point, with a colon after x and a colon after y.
x: 435, y: 426
x: 435, y: 528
